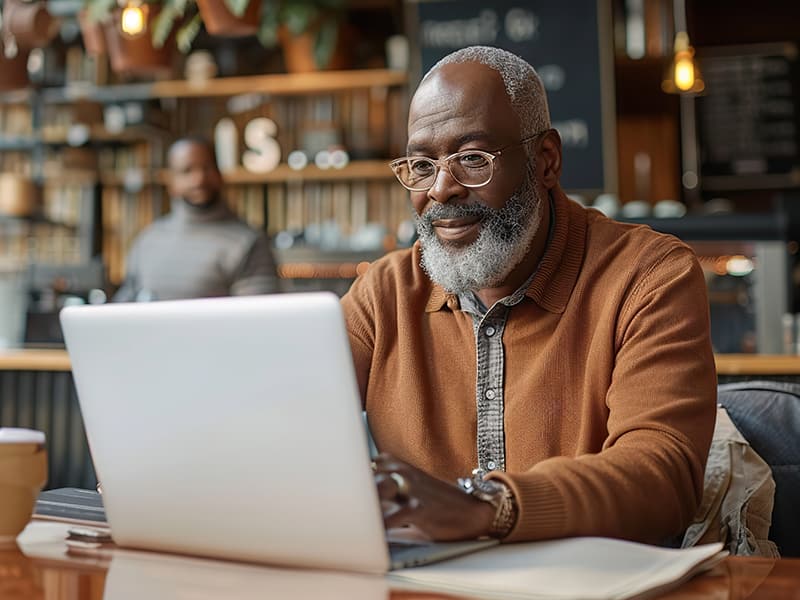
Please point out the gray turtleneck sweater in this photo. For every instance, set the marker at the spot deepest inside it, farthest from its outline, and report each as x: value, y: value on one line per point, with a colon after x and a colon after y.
x: 198, y: 253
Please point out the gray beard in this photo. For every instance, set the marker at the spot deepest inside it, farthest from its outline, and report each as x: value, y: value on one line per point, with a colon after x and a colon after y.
x: 504, y: 240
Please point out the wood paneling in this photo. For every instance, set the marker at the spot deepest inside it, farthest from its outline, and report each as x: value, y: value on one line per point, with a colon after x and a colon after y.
x: 655, y: 135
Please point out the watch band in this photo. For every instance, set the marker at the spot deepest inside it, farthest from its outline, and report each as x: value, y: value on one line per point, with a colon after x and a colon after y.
x: 499, y: 496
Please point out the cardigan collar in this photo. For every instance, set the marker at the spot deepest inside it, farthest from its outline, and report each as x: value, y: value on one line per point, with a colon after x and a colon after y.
x: 558, y: 269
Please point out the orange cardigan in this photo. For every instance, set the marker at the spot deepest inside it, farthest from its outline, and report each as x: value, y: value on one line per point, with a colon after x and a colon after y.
x: 610, y: 385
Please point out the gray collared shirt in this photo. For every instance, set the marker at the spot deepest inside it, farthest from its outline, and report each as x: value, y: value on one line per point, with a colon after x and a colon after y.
x: 489, y: 326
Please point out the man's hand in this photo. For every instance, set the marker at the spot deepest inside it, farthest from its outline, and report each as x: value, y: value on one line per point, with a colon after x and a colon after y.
x: 440, y: 510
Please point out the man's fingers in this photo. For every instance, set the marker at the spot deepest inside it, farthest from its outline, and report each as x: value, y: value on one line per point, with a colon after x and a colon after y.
x: 397, y: 514
x: 393, y: 486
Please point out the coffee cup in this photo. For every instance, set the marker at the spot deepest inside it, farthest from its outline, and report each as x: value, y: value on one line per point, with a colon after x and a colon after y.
x: 23, y: 473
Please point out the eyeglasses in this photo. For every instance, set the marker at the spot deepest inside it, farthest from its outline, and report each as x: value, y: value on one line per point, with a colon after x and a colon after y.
x: 470, y: 168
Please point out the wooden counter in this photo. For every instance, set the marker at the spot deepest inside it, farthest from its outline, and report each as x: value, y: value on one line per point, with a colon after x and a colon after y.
x: 727, y: 364
x: 758, y: 364
x: 34, y: 360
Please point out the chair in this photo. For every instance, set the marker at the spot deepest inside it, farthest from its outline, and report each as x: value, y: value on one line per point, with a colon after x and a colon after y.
x: 767, y: 413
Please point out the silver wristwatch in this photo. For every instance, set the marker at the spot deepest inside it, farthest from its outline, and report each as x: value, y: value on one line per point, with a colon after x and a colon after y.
x: 498, y: 495
x: 483, y: 489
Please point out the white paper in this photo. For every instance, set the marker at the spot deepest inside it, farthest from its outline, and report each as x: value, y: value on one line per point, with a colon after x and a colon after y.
x: 590, y: 568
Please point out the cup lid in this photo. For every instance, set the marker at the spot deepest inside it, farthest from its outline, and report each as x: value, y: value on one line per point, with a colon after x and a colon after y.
x: 19, y: 435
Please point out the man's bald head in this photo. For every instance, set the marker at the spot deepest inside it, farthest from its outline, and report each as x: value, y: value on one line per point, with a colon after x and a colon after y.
x: 179, y: 146
x: 522, y: 84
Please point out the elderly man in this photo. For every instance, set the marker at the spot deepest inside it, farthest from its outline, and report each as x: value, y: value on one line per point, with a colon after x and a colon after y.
x: 200, y: 249
x: 530, y: 369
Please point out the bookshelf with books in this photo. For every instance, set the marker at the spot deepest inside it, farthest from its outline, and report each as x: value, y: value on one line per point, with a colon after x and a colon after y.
x: 351, y: 211
x: 42, y: 221
x: 101, y: 165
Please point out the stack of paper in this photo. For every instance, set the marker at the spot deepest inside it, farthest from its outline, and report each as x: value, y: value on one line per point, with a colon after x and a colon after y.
x: 589, y: 568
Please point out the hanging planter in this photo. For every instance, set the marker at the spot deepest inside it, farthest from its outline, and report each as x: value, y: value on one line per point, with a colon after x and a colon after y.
x: 301, y: 51
x: 220, y: 20
x: 28, y: 25
x: 310, y: 33
x: 136, y: 54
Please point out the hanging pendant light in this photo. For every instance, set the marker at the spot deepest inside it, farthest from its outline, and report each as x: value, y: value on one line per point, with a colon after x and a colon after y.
x: 133, y: 19
x: 683, y: 74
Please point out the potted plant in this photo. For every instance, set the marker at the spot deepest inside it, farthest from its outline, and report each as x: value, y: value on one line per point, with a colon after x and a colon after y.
x: 142, y: 50
x: 27, y: 24
x: 230, y: 17
x: 307, y: 30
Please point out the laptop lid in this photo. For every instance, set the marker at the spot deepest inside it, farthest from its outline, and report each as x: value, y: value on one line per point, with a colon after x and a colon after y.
x: 229, y: 427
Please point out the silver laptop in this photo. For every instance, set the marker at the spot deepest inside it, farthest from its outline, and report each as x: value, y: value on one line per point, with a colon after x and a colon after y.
x: 232, y: 428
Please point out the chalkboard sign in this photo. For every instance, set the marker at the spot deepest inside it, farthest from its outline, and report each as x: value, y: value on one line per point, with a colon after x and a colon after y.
x: 566, y: 42
x: 748, y: 120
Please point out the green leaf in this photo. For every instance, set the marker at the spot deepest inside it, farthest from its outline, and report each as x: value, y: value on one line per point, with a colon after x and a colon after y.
x: 186, y: 34
x: 237, y: 7
x: 98, y: 10
x: 325, y: 43
x: 162, y: 25
x: 299, y: 17
x: 268, y: 29
x: 180, y: 5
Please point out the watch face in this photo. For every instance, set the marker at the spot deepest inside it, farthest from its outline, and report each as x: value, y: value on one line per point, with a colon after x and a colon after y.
x: 482, y: 489
x: 487, y: 486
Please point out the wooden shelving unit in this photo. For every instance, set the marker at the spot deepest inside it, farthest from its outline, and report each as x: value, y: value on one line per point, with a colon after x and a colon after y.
x: 275, y: 85
x: 127, y: 178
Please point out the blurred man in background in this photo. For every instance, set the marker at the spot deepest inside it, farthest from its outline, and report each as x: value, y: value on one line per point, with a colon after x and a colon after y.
x: 200, y: 249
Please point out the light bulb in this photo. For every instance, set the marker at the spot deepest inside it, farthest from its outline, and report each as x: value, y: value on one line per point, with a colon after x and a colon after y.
x: 684, y: 72
x: 132, y: 21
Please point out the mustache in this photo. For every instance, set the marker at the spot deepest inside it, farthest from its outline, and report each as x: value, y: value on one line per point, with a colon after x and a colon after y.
x: 456, y: 211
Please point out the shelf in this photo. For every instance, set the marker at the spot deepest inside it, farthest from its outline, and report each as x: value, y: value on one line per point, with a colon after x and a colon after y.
x: 305, y: 262
x: 17, y: 142
x: 360, y: 169
x: 34, y: 219
x: 21, y: 96
x: 98, y: 134
x: 71, y: 177
x: 769, y: 181
x: 280, y: 84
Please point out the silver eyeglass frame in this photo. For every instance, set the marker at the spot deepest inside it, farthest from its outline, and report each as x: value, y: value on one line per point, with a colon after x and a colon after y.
x: 440, y: 163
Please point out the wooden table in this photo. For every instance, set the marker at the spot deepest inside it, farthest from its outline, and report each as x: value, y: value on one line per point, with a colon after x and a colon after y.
x: 42, y: 569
